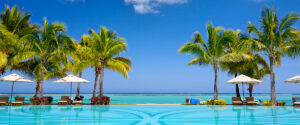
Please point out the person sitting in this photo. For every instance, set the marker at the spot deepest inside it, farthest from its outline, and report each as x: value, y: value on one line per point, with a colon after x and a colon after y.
x: 77, y: 98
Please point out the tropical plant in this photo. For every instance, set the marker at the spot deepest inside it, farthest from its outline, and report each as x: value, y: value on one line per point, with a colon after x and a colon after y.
x: 14, y: 25
x: 275, y: 39
x: 235, y: 54
x: 106, y: 48
x: 240, y: 59
x: 207, y: 52
x: 81, y: 58
x: 16, y: 21
x: 45, y: 54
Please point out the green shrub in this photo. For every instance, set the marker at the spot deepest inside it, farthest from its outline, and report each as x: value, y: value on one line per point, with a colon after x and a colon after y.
x: 281, y: 103
x: 267, y: 103
x: 220, y: 102
x: 210, y: 102
x: 216, y: 102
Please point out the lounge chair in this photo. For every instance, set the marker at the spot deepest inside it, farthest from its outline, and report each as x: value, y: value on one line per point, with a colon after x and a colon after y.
x: 250, y: 101
x: 64, y: 100
x: 4, y: 100
x: 237, y: 101
x: 18, y: 101
x: 296, y: 101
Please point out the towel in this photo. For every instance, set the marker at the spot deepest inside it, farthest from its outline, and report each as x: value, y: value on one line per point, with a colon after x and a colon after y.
x: 194, y: 101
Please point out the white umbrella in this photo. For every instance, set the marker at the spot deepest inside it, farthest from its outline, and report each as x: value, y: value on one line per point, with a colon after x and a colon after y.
x: 70, y: 79
x: 295, y: 79
x: 242, y: 79
x: 13, y: 78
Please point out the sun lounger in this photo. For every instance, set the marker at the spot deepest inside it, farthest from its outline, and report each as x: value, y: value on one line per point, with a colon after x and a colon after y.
x: 237, y: 101
x: 250, y: 101
x: 77, y: 102
x: 18, y: 101
x: 64, y: 100
x: 296, y: 101
x: 4, y: 100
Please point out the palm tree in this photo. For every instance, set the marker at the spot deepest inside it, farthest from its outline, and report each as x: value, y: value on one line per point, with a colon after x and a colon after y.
x: 45, y: 53
x: 106, y: 48
x: 9, y: 45
x: 240, y: 58
x: 207, y: 52
x: 81, y: 57
x: 14, y: 25
x: 275, y: 39
x: 235, y: 55
x: 16, y: 21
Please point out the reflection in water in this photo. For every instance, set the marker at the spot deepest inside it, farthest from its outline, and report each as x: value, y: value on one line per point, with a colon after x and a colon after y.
x: 38, y: 111
x: 274, y: 115
x: 251, y: 110
x: 98, y: 110
x: 238, y: 110
x: 216, y: 109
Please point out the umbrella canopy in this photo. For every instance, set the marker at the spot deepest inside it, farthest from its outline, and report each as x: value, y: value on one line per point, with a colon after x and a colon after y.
x: 295, y: 79
x: 70, y: 79
x: 14, y: 78
x: 241, y: 79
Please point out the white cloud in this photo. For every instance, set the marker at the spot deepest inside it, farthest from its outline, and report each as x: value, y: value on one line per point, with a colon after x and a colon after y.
x: 150, y: 6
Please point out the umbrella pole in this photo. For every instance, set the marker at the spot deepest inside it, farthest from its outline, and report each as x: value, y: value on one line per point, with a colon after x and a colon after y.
x: 243, y: 91
x: 12, y: 89
x: 71, y: 91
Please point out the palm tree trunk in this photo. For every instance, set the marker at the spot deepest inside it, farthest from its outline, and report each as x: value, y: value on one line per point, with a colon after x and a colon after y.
x: 272, y: 76
x: 41, y: 82
x: 237, y: 89
x: 250, y: 89
x: 37, y: 88
x: 216, y: 82
x: 100, y: 94
x: 78, y: 86
x: 96, y: 80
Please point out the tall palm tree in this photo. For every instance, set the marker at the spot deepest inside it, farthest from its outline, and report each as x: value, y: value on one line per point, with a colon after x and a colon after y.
x: 275, y: 39
x: 81, y: 58
x: 16, y: 21
x: 47, y: 52
x: 14, y: 24
x: 236, y: 54
x: 240, y: 58
x: 106, y: 48
x: 8, y: 47
x: 207, y: 52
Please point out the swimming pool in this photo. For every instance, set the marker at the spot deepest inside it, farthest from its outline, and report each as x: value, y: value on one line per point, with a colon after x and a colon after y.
x: 148, y: 114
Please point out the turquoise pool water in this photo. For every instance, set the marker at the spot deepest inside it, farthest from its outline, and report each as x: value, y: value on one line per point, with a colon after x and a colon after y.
x: 148, y: 115
x: 164, y: 98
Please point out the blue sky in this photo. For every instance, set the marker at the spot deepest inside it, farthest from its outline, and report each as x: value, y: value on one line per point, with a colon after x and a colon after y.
x: 154, y: 30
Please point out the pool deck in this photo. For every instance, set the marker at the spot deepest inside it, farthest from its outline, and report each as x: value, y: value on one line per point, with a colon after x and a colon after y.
x: 26, y: 104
